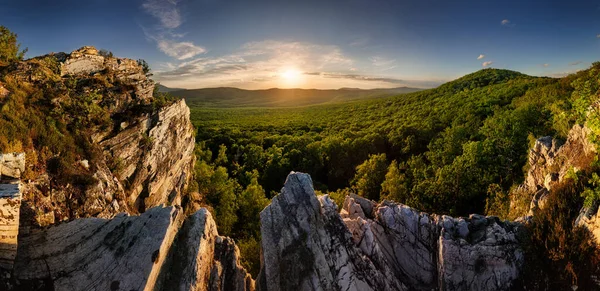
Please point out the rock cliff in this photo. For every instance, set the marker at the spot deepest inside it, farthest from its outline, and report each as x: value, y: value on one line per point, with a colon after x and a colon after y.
x: 307, y: 245
x: 142, y: 157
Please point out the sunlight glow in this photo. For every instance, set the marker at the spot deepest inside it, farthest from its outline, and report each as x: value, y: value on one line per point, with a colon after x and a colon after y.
x: 291, y: 75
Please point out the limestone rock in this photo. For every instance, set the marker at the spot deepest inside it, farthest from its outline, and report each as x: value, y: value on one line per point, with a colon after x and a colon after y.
x: 550, y: 162
x: 307, y: 246
x: 203, y: 260
x: 12, y: 165
x: 157, y: 153
x: 83, y: 61
x: 124, y: 253
x: 10, y: 204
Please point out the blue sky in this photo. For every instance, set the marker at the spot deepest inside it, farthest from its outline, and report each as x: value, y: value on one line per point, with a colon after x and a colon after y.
x: 317, y: 44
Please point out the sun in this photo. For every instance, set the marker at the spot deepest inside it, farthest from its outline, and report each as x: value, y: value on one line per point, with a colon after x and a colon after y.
x: 290, y: 75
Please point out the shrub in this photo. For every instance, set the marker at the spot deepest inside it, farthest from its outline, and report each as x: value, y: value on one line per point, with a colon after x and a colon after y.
x: 10, y: 50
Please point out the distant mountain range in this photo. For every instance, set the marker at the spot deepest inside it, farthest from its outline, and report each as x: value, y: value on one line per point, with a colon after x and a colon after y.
x: 234, y: 97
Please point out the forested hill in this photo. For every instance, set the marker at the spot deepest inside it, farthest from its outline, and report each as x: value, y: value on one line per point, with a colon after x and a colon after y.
x: 234, y: 97
x: 444, y: 147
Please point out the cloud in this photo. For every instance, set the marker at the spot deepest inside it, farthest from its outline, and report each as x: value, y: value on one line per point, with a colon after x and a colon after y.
x: 357, y: 77
x: 546, y: 65
x: 575, y: 63
x: 507, y: 23
x: 481, y: 57
x: 259, y: 64
x: 598, y: 36
x: 486, y: 64
x: 165, y: 10
x: 179, y: 50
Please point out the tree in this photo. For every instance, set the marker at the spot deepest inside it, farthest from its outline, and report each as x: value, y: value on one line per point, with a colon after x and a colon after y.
x: 10, y: 50
x: 394, y: 186
x: 251, y: 202
x: 370, y: 175
x: 145, y: 66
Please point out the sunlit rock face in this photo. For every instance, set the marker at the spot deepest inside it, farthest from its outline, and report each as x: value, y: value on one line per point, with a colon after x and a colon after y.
x: 203, y: 260
x: 307, y: 245
x: 146, y: 154
x: 157, y: 155
x: 99, y: 254
x: 158, y: 250
x: 12, y: 165
x: 10, y: 204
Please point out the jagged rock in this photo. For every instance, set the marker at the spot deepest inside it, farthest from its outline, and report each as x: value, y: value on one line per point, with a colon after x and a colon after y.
x: 549, y: 163
x: 203, y: 260
x: 589, y: 217
x: 307, y: 245
x: 12, y: 165
x: 10, y: 204
x: 436, y: 252
x: 157, y: 154
x: 124, y: 253
x: 82, y: 61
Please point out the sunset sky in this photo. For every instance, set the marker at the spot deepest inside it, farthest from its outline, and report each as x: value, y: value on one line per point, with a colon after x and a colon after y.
x: 317, y: 44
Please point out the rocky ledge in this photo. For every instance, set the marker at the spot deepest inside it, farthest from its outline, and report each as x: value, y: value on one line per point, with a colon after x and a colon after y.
x: 308, y: 245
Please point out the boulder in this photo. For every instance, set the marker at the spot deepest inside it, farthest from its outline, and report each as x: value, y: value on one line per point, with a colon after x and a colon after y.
x: 12, y: 165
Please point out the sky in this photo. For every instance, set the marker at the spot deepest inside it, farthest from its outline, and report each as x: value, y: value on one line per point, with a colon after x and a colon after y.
x: 324, y: 44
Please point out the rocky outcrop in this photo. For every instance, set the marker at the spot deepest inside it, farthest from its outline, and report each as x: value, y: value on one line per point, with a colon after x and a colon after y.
x: 12, y: 165
x: 549, y: 163
x: 142, y: 159
x: 10, y: 204
x: 307, y: 245
x: 146, y: 252
x: 156, y: 153
x: 203, y: 260
x: 124, y: 253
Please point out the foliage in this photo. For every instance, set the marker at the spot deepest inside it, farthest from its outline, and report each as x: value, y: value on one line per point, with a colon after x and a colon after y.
x: 145, y: 66
x: 449, y: 143
x: 370, y: 175
x: 592, y: 192
x: 10, y: 49
x: 558, y: 254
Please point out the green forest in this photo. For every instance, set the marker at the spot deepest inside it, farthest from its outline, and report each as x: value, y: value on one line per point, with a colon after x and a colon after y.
x: 449, y: 150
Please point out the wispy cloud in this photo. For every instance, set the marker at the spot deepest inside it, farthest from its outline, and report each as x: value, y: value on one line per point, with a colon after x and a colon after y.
x: 575, y: 63
x: 165, y: 11
x: 481, y: 57
x: 598, y: 36
x: 167, y: 39
x: 487, y: 64
x: 180, y: 50
x: 382, y: 63
x: 507, y: 23
x: 546, y: 65
x: 259, y: 65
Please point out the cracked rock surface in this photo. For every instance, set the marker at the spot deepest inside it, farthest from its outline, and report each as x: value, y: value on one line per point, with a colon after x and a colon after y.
x: 307, y: 245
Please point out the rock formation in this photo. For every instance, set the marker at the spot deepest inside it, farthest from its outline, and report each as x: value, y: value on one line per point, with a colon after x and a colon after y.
x: 203, y: 260
x: 12, y: 165
x: 10, y: 204
x: 146, y: 154
x: 550, y: 162
x: 306, y: 245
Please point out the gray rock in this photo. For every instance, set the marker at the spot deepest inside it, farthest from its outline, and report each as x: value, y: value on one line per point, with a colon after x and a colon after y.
x: 307, y: 246
x: 124, y: 253
x: 203, y: 260
x: 399, y: 248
